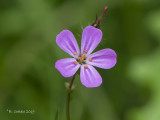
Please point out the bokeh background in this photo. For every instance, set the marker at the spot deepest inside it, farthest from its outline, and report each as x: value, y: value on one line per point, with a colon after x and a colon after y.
x: 28, y: 52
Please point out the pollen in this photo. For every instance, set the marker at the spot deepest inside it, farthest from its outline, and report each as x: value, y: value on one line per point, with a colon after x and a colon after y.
x: 75, y: 62
x: 85, y: 51
x: 85, y: 66
x: 79, y: 58
x: 74, y: 53
x: 90, y: 59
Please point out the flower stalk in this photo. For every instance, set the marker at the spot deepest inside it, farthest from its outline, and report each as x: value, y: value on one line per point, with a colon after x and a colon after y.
x: 69, y: 87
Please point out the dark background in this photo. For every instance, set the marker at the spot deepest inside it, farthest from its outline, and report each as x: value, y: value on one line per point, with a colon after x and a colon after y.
x: 28, y: 52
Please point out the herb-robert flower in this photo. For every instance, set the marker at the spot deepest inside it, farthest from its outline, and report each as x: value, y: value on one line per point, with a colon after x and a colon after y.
x: 84, y: 58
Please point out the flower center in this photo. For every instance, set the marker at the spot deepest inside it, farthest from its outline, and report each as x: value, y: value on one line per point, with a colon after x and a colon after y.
x: 81, y: 59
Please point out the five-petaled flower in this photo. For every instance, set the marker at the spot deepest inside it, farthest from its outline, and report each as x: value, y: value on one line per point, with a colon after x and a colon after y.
x: 82, y: 58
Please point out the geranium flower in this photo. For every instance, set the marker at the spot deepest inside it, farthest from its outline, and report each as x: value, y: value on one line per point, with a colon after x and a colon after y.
x: 82, y: 58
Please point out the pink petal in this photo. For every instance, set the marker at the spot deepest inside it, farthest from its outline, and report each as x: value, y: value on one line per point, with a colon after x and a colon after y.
x: 67, y: 42
x: 91, y: 37
x: 105, y: 58
x: 67, y: 67
x: 90, y: 77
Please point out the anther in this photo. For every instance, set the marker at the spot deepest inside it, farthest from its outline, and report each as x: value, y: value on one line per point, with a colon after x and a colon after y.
x: 82, y: 59
x: 90, y: 59
x: 79, y: 58
x: 85, y: 66
x: 75, y: 53
x: 85, y: 51
x: 75, y: 62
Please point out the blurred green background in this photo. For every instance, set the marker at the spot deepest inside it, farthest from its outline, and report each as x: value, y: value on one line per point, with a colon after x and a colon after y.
x: 28, y: 52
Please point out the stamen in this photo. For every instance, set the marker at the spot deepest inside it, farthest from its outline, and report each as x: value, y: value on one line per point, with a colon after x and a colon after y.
x: 85, y: 66
x: 90, y: 59
x: 79, y: 58
x: 85, y: 51
x: 74, y: 53
x: 75, y: 62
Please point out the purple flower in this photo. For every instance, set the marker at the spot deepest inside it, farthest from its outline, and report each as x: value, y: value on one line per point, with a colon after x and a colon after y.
x: 82, y: 58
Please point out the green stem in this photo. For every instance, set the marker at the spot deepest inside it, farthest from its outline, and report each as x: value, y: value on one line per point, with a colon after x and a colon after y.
x: 69, y: 97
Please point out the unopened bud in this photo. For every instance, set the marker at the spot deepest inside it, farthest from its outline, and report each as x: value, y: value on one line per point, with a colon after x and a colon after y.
x: 97, y: 22
x: 105, y: 9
